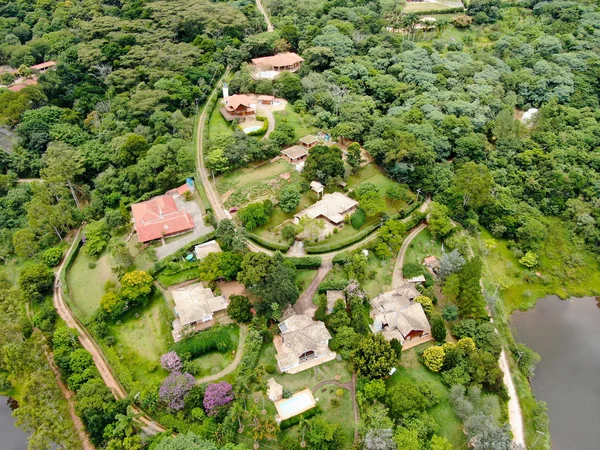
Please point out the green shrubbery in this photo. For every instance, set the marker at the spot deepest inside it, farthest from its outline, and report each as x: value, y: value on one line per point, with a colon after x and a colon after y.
x: 332, y: 285
x: 52, y: 256
x: 358, y: 219
x: 271, y: 245
x: 305, y: 262
x: 287, y: 423
x: 262, y: 130
x: 216, y: 339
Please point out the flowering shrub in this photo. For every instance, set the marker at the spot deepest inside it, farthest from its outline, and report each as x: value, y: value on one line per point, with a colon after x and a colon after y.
x: 216, y: 396
x: 172, y: 362
x: 174, y: 389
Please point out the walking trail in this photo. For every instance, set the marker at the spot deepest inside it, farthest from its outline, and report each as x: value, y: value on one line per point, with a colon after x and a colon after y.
x: 231, y: 367
x: 87, y: 342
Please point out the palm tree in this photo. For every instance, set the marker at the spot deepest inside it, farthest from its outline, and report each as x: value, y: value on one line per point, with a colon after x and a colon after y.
x: 441, y: 25
x: 238, y: 412
x: 302, y: 427
x: 125, y: 423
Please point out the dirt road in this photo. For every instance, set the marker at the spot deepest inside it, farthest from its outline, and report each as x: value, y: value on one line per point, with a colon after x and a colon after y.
x: 397, y: 279
x: 264, y: 13
x: 87, y: 342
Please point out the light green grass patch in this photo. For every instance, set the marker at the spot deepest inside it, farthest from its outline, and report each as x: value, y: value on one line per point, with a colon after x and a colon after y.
x: 424, y: 6
x: 373, y: 174
x: 244, y: 179
x: 303, y: 278
x: 410, y: 369
x: 144, y: 334
x: 214, y: 362
x: 217, y: 125
x: 342, y: 415
x: 86, y: 285
x: 423, y: 245
x: 300, y: 123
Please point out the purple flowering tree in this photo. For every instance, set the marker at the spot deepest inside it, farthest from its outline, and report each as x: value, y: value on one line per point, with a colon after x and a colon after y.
x: 216, y: 396
x: 174, y: 389
x: 172, y: 362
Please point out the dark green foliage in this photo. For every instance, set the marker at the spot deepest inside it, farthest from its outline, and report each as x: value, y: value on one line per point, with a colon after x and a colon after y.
x: 410, y: 270
x: 52, y: 256
x: 288, y: 423
x: 216, y: 339
x: 239, y: 308
x: 323, y: 164
x: 305, y: 262
x: 373, y: 357
x: 271, y: 245
x: 407, y: 399
x: 358, y: 218
x: 35, y: 279
x: 45, y: 317
x: 332, y: 285
x: 484, y: 335
x: 255, y: 214
x: 438, y: 329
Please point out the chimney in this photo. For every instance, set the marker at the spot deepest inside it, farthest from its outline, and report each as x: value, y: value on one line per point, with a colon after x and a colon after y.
x: 225, y: 91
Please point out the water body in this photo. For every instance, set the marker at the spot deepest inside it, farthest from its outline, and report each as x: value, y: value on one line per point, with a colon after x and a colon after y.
x: 566, y: 333
x: 11, y: 437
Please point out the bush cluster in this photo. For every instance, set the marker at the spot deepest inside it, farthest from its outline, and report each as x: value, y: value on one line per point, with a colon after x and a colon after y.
x: 305, y: 262
x: 215, y: 339
x: 287, y: 423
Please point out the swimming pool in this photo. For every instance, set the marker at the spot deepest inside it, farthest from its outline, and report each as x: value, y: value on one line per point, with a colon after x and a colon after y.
x: 251, y: 129
x: 298, y: 403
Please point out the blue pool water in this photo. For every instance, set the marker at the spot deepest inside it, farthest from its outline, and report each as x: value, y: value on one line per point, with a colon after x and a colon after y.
x: 251, y: 129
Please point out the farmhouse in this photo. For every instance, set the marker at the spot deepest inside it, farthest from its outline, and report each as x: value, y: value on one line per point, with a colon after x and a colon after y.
x: 294, y: 154
x: 396, y: 315
x: 196, y: 308
x: 332, y: 207
x: 238, y: 105
x: 269, y: 67
x: 202, y: 251
x: 304, y: 343
x: 159, y: 217
x: 44, y: 67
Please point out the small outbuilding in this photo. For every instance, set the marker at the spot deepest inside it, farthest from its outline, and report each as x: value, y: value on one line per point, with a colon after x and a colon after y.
x: 274, y: 390
x: 266, y: 99
x: 317, y: 187
x: 309, y: 141
x: 203, y: 250
x: 294, y: 154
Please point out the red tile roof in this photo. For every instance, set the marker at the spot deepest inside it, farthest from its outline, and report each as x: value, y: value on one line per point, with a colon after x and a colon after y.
x: 180, y: 190
x: 23, y: 84
x: 233, y: 102
x: 159, y: 217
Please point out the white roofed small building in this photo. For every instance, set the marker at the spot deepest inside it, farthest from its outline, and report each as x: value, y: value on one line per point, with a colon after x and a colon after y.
x: 201, y: 251
x: 294, y: 154
x: 396, y: 315
x: 303, y: 343
x: 196, y: 309
x: 308, y: 141
x: 332, y: 207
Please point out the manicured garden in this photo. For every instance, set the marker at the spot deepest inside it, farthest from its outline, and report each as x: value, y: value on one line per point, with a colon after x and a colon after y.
x: 423, y: 245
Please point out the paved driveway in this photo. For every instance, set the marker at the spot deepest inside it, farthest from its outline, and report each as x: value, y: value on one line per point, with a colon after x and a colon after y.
x: 200, y: 229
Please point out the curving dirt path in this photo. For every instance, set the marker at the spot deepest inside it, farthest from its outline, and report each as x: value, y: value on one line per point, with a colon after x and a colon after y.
x: 87, y: 342
x: 231, y: 367
x: 304, y: 304
x: 265, y: 15
x: 397, y: 278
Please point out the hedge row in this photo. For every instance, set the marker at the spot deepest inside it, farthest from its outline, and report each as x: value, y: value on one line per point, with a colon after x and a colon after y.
x: 409, y: 209
x: 332, y: 285
x: 271, y: 245
x: 262, y: 130
x: 216, y: 339
x: 324, y: 248
x: 305, y: 262
x: 341, y: 258
x: 415, y: 220
x: 287, y: 423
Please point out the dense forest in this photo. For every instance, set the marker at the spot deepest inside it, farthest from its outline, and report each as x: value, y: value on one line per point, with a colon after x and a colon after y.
x: 438, y: 109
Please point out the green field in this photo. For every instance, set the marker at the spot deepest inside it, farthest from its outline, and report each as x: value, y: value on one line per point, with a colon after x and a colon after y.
x: 300, y: 123
x: 248, y: 180
x: 412, y: 370
x: 214, y: 362
x: 142, y: 335
x: 371, y: 173
x: 424, y: 6
x: 423, y: 245
x: 303, y: 278
x: 217, y: 125
x: 86, y: 284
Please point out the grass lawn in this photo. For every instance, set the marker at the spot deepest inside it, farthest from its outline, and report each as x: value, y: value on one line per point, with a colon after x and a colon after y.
x: 272, y: 229
x: 423, y: 245
x: 179, y: 277
x: 373, y: 174
x: 341, y: 414
x: 214, y: 362
x: 308, y: 378
x: 422, y: 6
x: 142, y: 336
x: 411, y: 369
x: 303, y: 278
x: 86, y: 284
x: 566, y: 269
x: 217, y: 125
x: 249, y: 183
x: 300, y: 123
x: 382, y: 282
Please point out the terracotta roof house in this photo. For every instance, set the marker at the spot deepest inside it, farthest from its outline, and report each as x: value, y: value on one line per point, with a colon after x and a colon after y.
x: 159, y: 217
x: 239, y: 105
x: 269, y: 67
x: 43, y: 67
x: 23, y: 84
x: 304, y: 344
x: 266, y: 99
x: 396, y: 315
x: 196, y: 308
x: 332, y: 207
x: 294, y: 154
x: 202, y: 251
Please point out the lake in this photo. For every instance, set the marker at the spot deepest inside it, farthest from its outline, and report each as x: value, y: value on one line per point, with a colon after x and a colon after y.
x: 13, y: 438
x: 567, y: 336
